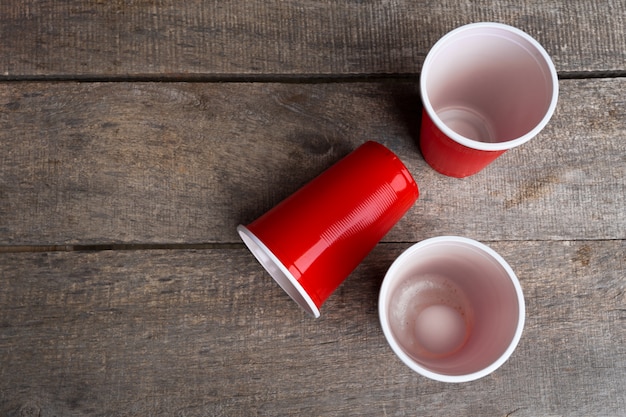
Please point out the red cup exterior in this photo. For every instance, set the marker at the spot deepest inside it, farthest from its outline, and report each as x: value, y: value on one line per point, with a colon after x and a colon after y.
x: 324, y: 230
x: 448, y: 157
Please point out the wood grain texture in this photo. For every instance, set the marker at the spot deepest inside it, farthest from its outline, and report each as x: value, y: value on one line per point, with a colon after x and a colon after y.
x: 196, y: 333
x: 161, y: 163
x: 252, y: 37
x: 124, y: 288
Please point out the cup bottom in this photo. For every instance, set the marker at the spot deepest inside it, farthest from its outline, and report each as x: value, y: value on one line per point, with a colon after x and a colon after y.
x: 467, y: 123
x: 440, y: 330
x: 430, y: 316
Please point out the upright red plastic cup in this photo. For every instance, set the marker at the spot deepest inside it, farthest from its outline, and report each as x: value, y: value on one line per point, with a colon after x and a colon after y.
x: 486, y: 88
x: 451, y: 309
x: 311, y: 241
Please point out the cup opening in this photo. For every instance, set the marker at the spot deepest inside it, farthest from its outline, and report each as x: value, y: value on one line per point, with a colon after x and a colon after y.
x: 451, y: 309
x: 278, y: 271
x: 489, y: 86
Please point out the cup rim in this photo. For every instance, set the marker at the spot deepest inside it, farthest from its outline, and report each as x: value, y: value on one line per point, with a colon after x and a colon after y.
x: 474, y: 144
x: 279, y: 273
x: 383, y: 316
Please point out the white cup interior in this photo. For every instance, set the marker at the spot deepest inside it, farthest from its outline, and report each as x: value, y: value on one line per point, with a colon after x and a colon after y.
x: 452, y: 309
x: 489, y: 86
x: 278, y: 271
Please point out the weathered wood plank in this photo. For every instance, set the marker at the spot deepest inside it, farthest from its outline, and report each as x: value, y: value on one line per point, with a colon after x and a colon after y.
x: 84, y: 164
x: 253, y: 37
x: 134, y: 333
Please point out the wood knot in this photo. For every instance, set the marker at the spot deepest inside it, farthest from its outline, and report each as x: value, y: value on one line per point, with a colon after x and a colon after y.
x: 30, y: 410
x: 531, y: 190
x: 317, y: 145
x: 583, y: 255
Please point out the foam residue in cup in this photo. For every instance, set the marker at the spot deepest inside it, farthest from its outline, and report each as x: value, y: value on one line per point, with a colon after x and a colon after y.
x: 430, y: 316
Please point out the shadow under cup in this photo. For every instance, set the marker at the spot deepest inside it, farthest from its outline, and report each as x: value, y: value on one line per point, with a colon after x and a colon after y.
x: 452, y: 309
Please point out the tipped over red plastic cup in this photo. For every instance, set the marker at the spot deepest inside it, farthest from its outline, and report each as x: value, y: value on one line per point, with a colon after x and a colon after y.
x: 486, y: 88
x: 311, y: 241
x: 451, y: 309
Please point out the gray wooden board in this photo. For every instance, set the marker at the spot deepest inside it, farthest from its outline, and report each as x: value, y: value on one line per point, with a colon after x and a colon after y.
x: 207, y: 332
x: 253, y: 37
x: 160, y: 163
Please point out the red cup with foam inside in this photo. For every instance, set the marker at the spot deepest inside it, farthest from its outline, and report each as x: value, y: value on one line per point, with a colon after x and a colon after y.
x: 311, y: 241
x: 486, y: 88
x: 452, y: 309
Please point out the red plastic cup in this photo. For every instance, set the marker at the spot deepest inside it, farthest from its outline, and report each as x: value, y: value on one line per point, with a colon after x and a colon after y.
x: 451, y: 309
x: 311, y: 241
x: 486, y: 88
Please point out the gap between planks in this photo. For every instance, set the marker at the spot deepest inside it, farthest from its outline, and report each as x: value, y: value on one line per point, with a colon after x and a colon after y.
x: 212, y: 246
x: 269, y: 78
x: 118, y: 247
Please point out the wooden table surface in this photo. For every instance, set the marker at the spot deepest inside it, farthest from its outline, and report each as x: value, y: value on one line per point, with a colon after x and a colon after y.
x: 136, y: 135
